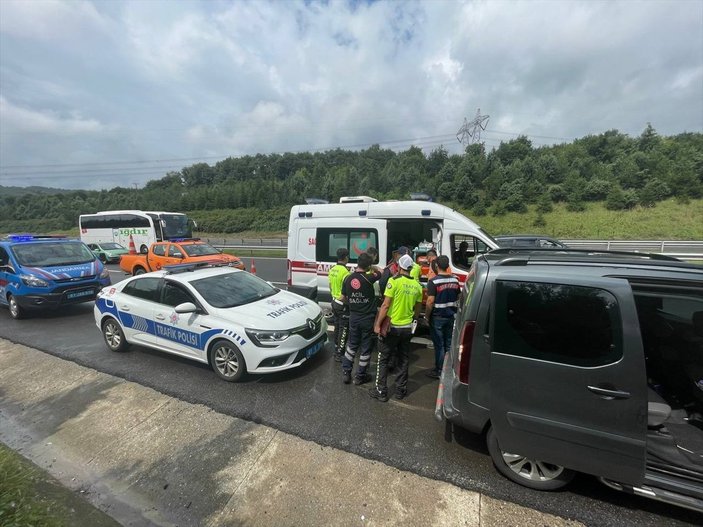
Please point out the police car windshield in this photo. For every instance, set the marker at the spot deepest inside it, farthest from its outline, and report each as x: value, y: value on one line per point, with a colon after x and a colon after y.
x: 233, y: 289
x: 48, y: 254
x: 200, y: 249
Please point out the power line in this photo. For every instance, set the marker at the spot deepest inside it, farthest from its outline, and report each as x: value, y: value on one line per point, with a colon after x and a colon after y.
x: 116, y: 168
x: 398, y: 142
x: 415, y: 140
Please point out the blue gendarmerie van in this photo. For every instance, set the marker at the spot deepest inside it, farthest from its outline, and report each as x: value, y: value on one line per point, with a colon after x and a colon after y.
x: 39, y: 271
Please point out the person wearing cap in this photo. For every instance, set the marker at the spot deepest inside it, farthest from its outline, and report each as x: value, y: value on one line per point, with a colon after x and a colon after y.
x: 358, y: 293
x: 403, y: 298
x: 442, y: 302
x: 340, y: 310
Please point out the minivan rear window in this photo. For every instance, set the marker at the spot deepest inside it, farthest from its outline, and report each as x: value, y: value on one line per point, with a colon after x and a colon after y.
x: 559, y: 323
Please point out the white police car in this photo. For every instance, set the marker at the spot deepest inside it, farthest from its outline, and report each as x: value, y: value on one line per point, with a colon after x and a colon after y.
x: 225, y: 317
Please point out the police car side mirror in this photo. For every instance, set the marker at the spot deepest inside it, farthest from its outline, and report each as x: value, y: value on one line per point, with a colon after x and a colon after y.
x: 186, y: 307
x: 7, y: 268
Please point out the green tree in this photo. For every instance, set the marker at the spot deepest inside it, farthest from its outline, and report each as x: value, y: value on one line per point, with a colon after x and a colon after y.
x: 655, y: 190
x: 649, y: 140
x: 544, y: 204
x: 514, y: 150
x: 597, y: 189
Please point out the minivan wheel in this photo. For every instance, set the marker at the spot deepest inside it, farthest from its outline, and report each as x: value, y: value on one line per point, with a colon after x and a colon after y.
x: 531, y: 473
x: 227, y: 361
x: 16, y: 310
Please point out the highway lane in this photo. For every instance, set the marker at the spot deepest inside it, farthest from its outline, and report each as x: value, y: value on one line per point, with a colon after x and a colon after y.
x: 311, y: 402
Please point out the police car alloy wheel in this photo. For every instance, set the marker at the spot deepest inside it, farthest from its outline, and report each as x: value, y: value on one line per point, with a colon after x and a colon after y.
x: 16, y: 311
x: 114, y: 336
x: 227, y: 361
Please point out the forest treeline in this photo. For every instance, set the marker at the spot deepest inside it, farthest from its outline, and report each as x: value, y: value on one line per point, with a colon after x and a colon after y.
x: 621, y: 171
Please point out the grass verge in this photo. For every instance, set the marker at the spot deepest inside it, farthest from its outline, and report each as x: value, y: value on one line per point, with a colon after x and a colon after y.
x: 31, y: 497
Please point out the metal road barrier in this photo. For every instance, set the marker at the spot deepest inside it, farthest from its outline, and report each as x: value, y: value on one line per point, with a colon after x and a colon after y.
x: 686, y: 250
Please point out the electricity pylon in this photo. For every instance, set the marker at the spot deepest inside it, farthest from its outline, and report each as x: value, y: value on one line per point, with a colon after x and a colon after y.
x: 470, y: 132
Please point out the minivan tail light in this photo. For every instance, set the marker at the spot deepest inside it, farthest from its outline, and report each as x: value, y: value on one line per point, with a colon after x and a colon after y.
x: 466, y: 340
x: 289, y: 274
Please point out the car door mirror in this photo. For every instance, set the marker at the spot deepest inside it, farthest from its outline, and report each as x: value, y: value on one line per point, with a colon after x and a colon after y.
x: 186, y: 307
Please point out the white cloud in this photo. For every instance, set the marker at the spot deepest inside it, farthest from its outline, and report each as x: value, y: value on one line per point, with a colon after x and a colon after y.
x: 162, y: 80
x: 23, y: 120
x: 49, y: 20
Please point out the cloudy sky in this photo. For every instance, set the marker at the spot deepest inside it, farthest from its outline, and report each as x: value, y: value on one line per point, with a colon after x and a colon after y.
x: 98, y: 94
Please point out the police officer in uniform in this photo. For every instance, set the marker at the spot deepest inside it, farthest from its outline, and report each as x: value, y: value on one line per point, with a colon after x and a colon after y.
x: 358, y: 293
x: 403, y: 298
x: 340, y: 310
x: 442, y: 303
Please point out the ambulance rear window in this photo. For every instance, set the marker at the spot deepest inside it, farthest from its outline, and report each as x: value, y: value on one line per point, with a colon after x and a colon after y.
x: 356, y: 241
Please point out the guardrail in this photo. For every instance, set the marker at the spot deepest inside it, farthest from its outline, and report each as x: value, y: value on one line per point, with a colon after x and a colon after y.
x: 686, y: 250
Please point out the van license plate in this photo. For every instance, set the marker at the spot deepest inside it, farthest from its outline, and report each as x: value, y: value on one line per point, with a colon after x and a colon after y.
x: 79, y: 294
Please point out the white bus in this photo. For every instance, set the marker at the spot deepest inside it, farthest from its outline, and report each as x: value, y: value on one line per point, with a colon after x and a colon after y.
x: 145, y: 227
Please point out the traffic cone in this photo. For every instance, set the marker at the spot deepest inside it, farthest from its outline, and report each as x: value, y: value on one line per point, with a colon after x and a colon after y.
x: 132, y: 248
x: 253, y: 267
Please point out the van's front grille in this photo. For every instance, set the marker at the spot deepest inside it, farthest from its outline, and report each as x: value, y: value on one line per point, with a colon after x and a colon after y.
x: 75, y: 279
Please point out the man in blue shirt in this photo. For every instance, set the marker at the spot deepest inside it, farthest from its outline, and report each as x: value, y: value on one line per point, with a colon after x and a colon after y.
x: 440, y: 309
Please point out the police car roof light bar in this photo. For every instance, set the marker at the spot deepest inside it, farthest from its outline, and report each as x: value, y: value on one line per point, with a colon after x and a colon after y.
x: 184, y: 240
x: 187, y: 267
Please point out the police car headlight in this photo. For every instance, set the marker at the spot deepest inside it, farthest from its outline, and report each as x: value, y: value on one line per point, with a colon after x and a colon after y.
x: 264, y: 338
x: 105, y: 273
x: 33, y: 281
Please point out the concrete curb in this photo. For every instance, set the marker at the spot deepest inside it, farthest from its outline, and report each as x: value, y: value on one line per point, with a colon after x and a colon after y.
x: 148, y: 459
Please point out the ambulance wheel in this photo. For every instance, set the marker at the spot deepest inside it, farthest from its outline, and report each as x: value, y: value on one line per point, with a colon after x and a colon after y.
x: 16, y: 311
x: 139, y: 270
x: 531, y: 473
x: 227, y: 361
x: 113, y: 335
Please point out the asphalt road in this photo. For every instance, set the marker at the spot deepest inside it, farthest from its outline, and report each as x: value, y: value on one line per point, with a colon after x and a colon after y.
x: 313, y: 403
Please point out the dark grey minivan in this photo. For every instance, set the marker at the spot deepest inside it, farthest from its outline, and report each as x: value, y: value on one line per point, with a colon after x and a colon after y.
x: 573, y: 361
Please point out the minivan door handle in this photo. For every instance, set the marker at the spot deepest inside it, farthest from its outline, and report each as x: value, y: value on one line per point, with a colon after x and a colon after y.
x: 608, y: 393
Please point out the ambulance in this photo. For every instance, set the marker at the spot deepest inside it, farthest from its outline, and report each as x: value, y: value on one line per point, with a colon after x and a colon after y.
x: 316, y: 231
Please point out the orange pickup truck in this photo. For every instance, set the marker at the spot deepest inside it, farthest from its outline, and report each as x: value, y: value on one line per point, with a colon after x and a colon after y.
x: 190, y: 250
